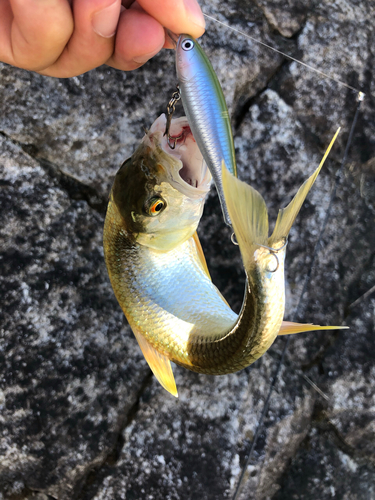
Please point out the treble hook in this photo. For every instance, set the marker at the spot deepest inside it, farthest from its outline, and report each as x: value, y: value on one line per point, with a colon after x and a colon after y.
x: 273, y: 251
x: 176, y: 96
x: 174, y: 139
x: 234, y: 240
x: 277, y: 263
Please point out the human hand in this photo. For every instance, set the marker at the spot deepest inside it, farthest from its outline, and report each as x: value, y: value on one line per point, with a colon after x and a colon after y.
x: 64, y: 38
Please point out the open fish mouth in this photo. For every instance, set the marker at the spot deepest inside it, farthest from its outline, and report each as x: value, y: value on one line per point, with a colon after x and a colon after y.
x: 190, y: 174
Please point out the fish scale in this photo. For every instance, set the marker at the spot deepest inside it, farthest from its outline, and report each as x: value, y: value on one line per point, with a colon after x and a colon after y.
x: 148, y: 292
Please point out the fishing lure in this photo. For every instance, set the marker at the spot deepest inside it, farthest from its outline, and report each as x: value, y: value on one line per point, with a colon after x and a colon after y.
x: 206, y: 111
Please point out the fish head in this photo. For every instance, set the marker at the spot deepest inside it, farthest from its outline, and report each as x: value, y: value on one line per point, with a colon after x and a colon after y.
x: 159, y: 192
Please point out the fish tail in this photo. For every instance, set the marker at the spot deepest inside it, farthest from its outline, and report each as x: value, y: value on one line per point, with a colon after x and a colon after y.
x: 248, y: 213
x: 287, y: 215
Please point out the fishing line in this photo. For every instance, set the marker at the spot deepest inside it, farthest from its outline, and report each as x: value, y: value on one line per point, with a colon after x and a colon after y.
x: 360, y: 99
x: 311, y: 68
x: 362, y: 298
x: 314, y: 386
x: 333, y: 196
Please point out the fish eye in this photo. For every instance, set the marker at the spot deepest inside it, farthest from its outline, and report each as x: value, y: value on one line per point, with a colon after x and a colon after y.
x: 155, y: 206
x: 187, y: 44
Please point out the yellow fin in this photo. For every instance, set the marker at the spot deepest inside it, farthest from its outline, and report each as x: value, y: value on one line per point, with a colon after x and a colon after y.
x: 288, y: 328
x: 202, y: 258
x: 159, y: 364
x: 287, y: 215
x: 248, y: 213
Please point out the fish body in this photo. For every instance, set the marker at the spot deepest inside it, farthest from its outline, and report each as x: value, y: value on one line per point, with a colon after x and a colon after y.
x: 206, y: 110
x: 157, y: 267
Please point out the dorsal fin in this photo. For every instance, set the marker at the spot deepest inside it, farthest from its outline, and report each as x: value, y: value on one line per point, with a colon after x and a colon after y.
x: 159, y: 364
x: 288, y: 328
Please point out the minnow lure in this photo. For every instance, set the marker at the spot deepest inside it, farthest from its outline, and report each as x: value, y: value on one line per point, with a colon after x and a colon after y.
x: 206, y: 111
x: 158, y: 271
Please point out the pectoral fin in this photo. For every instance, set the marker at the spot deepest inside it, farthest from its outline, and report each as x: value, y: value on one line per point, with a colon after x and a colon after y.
x: 288, y: 328
x: 202, y: 258
x: 159, y: 364
x: 203, y: 263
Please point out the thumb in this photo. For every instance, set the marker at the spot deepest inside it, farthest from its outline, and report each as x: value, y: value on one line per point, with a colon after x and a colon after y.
x: 179, y: 16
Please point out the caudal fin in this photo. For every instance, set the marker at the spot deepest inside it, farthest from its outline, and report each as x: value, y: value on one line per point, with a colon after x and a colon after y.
x: 248, y: 213
x: 287, y: 215
x: 249, y: 216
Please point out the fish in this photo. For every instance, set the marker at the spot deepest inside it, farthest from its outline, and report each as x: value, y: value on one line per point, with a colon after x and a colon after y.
x: 158, y: 270
x: 206, y: 110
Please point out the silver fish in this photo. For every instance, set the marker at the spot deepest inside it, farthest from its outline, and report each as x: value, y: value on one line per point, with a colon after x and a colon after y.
x: 158, y: 271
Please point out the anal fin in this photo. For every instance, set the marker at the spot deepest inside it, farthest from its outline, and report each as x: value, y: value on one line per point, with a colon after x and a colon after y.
x: 288, y: 328
x: 159, y: 364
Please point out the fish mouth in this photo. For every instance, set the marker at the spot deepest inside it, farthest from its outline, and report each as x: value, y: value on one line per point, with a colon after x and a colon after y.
x: 190, y: 174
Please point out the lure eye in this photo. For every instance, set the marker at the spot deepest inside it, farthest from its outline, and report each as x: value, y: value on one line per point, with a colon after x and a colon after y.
x: 155, y: 206
x: 187, y: 44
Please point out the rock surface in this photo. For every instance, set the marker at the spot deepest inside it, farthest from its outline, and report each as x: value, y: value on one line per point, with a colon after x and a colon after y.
x: 81, y: 416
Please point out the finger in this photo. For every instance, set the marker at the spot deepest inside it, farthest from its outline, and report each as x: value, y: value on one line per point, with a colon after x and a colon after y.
x: 169, y: 43
x: 133, y: 50
x: 179, y: 16
x: 93, y: 40
x: 127, y: 3
x: 33, y: 33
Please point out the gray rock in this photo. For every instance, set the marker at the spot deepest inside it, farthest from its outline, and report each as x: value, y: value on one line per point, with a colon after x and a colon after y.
x: 71, y: 371
x: 81, y: 416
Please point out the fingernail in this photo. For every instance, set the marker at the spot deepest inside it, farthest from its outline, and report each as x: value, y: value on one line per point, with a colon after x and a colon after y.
x: 146, y: 57
x: 105, y: 21
x: 194, y: 13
